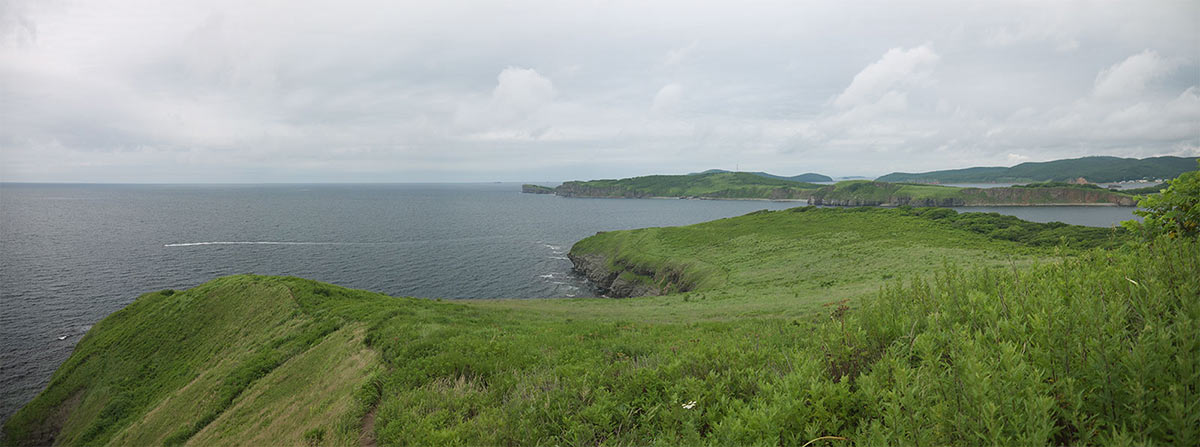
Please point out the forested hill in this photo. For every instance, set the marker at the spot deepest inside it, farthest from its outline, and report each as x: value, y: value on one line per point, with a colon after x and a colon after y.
x: 805, y: 177
x: 1094, y: 169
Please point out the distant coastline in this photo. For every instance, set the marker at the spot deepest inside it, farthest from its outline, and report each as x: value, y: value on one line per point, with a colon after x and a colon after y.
x: 749, y: 186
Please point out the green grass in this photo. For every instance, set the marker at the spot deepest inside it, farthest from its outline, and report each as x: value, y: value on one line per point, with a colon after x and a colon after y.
x: 885, y: 326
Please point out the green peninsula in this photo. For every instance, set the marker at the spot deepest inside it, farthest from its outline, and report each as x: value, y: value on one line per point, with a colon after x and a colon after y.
x: 863, y: 325
x: 869, y: 193
x: 1094, y: 169
x: 747, y: 185
x: 710, y: 185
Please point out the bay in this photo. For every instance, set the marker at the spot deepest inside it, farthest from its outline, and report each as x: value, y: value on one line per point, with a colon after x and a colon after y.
x: 71, y: 254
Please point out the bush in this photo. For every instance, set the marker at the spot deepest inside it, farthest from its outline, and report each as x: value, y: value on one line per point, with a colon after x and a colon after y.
x: 1175, y: 212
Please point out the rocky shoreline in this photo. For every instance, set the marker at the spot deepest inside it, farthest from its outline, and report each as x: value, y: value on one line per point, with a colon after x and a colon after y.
x: 611, y: 283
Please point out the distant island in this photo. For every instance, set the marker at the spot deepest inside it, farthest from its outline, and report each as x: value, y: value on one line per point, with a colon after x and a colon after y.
x: 536, y: 189
x: 1091, y: 169
x: 752, y: 186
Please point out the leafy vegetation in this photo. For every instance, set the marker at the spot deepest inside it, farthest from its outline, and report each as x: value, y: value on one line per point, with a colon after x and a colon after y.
x: 1094, y: 169
x: 1174, y: 212
x: 881, y: 326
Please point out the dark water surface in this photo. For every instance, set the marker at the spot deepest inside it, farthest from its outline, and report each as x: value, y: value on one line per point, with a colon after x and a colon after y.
x: 72, y: 254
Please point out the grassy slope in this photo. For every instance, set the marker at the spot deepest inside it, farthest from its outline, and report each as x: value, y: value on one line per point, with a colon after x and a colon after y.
x: 946, y: 360
x: 874, y: 192
x: 717, y: 184
x: 1095, y: 169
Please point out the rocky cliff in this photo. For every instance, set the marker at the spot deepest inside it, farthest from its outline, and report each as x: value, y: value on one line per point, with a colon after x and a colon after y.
x: 614, y: 283
x: 578, y: 189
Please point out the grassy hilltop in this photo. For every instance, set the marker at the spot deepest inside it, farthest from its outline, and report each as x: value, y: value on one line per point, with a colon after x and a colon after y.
x: 883, y: 326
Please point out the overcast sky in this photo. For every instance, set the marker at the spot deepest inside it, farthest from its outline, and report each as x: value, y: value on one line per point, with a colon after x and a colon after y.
x: 301, y: 91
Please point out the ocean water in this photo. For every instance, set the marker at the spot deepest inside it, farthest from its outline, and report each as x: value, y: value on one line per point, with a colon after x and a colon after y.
x: 72, y: 254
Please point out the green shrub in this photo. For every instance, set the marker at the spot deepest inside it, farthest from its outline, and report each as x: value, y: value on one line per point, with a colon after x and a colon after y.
x: 1174, y: 212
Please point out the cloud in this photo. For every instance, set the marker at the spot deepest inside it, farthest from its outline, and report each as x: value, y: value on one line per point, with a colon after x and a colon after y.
x: 1129, y: 77
x: 896, y: 69
x: 521, y: 91
x: 362, y: 90
x: 667, y: 99
x: 677, y: 55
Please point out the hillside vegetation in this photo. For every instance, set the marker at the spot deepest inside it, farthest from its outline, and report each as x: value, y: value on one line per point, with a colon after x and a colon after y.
x: 1094, y: 169
x: 879, y: 326
x: 872, y: 193
x: 746, y: 185
x: 725, y: 185
x: 805, y: 177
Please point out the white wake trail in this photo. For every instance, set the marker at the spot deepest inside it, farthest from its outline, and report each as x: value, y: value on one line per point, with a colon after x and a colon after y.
x: 193, y: 244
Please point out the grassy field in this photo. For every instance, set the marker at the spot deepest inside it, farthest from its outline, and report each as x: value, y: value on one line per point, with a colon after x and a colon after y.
x: 881, y: 326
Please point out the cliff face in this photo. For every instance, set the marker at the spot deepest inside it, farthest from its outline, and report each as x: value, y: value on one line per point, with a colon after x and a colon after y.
x: 613, y: 283
x: 577, y: 189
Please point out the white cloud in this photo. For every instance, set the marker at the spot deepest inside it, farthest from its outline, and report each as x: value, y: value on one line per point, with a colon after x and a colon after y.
x: 678, y: 55
x: 897, y: 68
x: 667, y: 99
x: 364, y: 90
x: 521, y: 91
x: 1129, y: 77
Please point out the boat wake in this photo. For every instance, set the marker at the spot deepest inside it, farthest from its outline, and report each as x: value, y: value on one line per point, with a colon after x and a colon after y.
x: 193, y: 244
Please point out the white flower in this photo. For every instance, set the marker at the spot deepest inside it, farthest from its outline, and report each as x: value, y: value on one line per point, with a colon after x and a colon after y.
x: 689, y: 405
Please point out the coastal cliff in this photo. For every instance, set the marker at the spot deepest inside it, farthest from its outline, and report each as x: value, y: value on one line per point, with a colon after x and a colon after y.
x: 617, y: 273
x: 613, y: 283
x: 582, y: 189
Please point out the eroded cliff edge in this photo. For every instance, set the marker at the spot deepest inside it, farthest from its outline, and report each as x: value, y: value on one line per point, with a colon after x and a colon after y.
x: 613, y: 283
x: 615, y: 276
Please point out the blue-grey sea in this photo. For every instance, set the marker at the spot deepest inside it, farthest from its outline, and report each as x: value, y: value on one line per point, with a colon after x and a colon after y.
x: 70, y: 254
